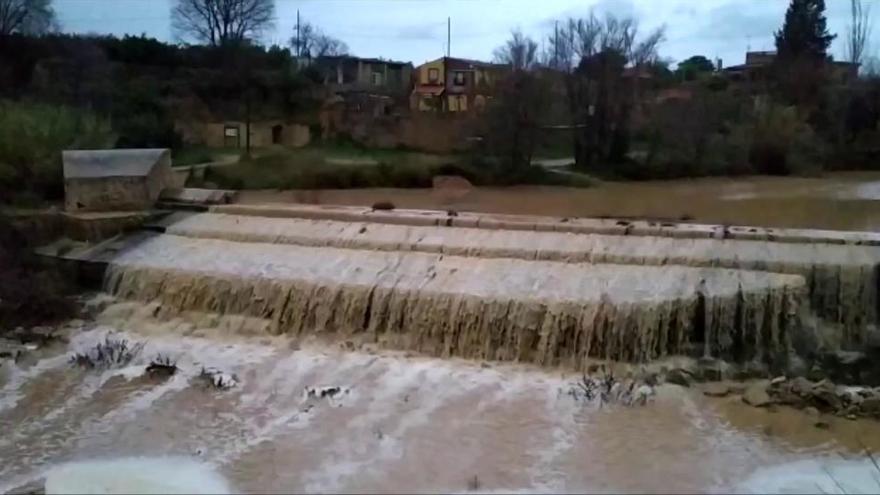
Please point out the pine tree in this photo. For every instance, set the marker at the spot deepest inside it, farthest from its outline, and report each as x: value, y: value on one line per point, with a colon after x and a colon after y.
x: 805, y: 33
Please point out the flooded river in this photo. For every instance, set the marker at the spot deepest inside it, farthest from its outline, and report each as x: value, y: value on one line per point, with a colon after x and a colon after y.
x: 843, y: 201
x: 401, y: 423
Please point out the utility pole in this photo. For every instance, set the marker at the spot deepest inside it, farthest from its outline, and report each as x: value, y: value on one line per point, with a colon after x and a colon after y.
x: 298, y: 49
x: 556, y: 45
x: 448, y: 37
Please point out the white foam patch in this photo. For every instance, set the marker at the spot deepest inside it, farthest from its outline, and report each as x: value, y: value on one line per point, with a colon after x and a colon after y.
x: 135, y: 475
x: 436, y: 382
x: 82, y: 393
x: 17, y: 378
x: 283, y: 382
x: 833, y: 476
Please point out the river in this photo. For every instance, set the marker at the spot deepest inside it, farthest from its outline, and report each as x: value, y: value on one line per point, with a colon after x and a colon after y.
x: 401, y: 423
x: 842, y: 201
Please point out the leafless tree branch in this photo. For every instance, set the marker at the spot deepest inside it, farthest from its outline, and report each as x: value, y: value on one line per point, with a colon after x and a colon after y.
x: 858, y: 31
x: 519, y: 52
x: 312, y: 42
x: 222, y: 22
x: 26, y: 16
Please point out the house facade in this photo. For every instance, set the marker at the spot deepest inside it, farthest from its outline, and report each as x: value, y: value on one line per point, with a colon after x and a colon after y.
x: 454, y: 85
x: 759, y: 64
x: 346, y: 73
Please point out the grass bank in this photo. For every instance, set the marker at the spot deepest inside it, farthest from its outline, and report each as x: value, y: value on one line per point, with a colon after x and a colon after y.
x: 350, y: 168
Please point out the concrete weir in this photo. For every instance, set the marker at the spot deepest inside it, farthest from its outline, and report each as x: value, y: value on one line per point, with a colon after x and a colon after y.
x: 543, y: 312
x: 841, y: 280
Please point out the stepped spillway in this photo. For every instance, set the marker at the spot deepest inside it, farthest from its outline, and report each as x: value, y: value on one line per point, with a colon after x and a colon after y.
x: 543, y: 312
x: 841, y: 280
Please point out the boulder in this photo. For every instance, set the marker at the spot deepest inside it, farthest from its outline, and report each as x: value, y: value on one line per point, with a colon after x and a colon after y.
x: 850, y: 395
x: 716, y: 390
x: 800, y: 386
x: 789, y: 398
x: 679, y: 377
x: 711, y: 370
x: 811, y: 411
x: 756, y: 395
x: 870, y: 406
x: 824, y: 396
x: 844, y: 366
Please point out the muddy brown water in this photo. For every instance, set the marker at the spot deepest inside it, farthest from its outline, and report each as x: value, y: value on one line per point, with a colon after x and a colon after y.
x: 416, y: 424
x: 843, y: 201
x: 404, y: 424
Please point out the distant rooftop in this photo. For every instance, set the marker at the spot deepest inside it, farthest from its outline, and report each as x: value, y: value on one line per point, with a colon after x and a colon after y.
x: 370, y: 60
x: 94, y: 164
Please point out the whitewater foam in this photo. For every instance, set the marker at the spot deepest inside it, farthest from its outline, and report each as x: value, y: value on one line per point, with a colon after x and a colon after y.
x: 135, y: 475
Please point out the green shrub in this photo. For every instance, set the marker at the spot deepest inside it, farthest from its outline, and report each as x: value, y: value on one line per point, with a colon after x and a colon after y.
x: 783, y: 143
x: 32, y: 137
x: 306, y: 169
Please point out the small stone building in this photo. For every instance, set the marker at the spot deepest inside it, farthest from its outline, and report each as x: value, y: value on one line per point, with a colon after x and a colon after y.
x: 233, y: 134
x: 115, y: 180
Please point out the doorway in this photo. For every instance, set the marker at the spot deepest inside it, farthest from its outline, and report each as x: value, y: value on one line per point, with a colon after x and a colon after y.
x: 276, y: 134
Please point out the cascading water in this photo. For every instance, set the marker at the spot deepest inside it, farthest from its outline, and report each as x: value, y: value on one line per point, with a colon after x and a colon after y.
x: 255, y: 298
x: 405, y: 424
x: 842, y: 280
x: 547, y: 313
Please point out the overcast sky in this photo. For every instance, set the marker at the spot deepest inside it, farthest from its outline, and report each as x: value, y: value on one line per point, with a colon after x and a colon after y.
x: 415, y: 30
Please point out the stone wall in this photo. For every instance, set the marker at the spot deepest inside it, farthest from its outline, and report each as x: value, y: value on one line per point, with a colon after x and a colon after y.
x: 119, y: 193
x: 107, y: 194
x: 213, y: 134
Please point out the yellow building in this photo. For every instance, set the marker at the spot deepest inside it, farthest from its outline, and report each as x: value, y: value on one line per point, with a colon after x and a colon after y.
x: 454, y: 85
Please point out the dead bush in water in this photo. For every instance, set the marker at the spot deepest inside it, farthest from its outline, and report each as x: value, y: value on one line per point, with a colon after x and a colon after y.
x: 217, y: 379
x: 161, y: 367
x: 333, y: 392
x: 609, y: 390
x: 108, y: 354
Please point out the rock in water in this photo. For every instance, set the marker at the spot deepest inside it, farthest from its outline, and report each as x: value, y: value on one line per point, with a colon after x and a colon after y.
x: 716, y: 390
x: 679, y: 377
x: 756, y: 395
x: 871, y: 406
x: 135, y: 475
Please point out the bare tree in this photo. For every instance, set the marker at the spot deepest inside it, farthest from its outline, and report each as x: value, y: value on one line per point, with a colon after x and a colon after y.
x: 325, y: 45
x: 222, y: 22
x: 858, y: 31
x: 594, y: 55
x: 519, y: 107
x: 519, y: 52
x: 577, y: 39
x: 26, y: 16
x: 311, y: 42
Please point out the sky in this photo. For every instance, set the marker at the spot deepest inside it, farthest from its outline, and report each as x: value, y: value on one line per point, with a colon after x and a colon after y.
x: 415, y: 30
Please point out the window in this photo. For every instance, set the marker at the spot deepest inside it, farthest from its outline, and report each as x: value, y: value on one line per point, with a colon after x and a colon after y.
x: 376, y: 78
x: 458, y: 78
x: 433, y: 75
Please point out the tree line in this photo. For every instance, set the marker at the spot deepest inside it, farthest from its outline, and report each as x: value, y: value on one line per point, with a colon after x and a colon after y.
x: 601, y: 77
x: 591, y: 94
